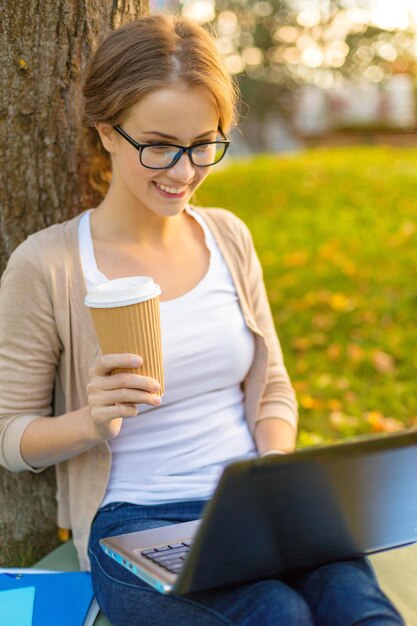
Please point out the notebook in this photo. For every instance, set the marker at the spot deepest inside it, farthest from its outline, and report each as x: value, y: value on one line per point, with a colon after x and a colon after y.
x: 281, y: 515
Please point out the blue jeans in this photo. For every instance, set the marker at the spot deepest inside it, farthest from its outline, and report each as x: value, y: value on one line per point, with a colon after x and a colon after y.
x: 340, y: 594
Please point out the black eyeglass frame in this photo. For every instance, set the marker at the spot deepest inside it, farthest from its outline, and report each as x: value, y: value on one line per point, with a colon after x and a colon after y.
x: 181, y: 149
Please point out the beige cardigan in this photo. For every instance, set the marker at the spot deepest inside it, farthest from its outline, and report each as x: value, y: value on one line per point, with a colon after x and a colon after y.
x: 48, y: 344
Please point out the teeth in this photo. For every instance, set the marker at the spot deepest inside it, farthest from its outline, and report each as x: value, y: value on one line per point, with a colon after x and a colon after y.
x: 173, y: 190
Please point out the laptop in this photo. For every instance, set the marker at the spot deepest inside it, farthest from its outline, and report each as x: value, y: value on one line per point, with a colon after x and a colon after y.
x: 281, y: 515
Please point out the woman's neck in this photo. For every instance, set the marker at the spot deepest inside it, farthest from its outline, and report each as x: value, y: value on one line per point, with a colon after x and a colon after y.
x: 122, y: 220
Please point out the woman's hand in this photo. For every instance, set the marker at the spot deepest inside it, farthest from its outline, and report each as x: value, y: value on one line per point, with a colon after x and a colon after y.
x: 112, y: 397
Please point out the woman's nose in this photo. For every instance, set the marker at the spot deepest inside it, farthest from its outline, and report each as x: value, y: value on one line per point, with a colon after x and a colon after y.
x: 183, y: 170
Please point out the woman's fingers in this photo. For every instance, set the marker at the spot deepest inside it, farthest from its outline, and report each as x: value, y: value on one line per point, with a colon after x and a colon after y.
x: 109, y: 362
x: 102, y: 415
x: 125, y: 380
x: 123, y: 396
x: 112, y: 397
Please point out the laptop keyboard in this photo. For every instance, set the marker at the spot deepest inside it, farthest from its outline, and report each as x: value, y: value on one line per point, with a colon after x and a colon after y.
x: 171, y: 557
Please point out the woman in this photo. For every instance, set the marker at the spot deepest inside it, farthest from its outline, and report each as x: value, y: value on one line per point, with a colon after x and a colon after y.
x: 162, y: 103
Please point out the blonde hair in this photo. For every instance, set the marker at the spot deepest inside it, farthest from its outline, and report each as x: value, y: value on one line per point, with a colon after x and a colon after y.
x: 151, y: 53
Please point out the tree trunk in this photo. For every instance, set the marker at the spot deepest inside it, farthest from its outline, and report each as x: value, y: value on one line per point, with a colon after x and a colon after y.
x: 47, y: 177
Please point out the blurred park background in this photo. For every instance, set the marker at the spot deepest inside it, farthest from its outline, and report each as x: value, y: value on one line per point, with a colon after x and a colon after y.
x: 322, y: 168
x: 316, y: 72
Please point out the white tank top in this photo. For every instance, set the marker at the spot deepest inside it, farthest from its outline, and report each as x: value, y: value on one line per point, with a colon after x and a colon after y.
x: 178, y: 450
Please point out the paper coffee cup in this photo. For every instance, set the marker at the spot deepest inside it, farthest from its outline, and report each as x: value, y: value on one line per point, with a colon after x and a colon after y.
x: 126, y: 317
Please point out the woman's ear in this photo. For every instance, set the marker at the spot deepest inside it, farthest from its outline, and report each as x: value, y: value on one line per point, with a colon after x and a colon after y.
x: 107, y: 136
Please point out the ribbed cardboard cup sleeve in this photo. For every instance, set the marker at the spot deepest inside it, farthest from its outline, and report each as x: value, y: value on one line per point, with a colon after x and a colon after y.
x: 135, y: 328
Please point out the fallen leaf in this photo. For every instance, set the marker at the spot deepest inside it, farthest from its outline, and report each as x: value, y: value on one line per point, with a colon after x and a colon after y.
x: 328, y: 250
x: 408, y: 228
x: 311, y: 298
x: 308, y: 402
x: 341, y: 302
x: 322, y: 322
x: 324, y: 296
x: 334, y: 351
x: 383, y: 362
x: 355, y: 353
x: 297, y: 258
x: 348, y: 267
x: 381, y: 424
x: 343, y: 383
x: 301, y: 366
x: 334, y: 404
x: 318, y: 339
x: 350, y: 397
x: 301, y: 343
x: 300, y: 385
x: 342, y: 421
x: 368, y: 317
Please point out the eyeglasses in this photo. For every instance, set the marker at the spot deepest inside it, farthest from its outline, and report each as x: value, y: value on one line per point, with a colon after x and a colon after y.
x: 161, y: 156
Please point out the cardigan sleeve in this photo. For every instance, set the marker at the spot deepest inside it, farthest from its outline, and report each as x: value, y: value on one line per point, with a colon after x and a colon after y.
x: 278, y: 398
x: 29, y: 351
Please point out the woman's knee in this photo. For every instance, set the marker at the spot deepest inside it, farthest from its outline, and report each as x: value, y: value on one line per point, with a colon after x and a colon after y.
x: 329, y: 591
x: 269, y: 603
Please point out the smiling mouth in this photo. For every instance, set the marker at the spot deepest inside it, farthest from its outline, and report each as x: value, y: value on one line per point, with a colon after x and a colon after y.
x: 172, y: 191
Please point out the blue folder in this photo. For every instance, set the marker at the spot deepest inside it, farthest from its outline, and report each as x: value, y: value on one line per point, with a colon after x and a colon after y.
x: 16, y: 606
x: 59, y: 598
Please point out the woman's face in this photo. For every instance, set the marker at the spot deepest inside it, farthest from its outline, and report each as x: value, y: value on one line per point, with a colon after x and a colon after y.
x: 179, y: 115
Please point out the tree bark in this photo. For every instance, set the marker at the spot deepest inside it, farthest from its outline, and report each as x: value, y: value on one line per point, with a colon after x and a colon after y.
x: 47, y: 176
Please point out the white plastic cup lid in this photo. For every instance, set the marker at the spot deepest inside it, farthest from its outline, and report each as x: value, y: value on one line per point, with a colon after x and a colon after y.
x: 122, y: 292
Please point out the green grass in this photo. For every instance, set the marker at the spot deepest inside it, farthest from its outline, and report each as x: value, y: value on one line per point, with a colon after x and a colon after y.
x: 336, y: 232
x: 18, y: 553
